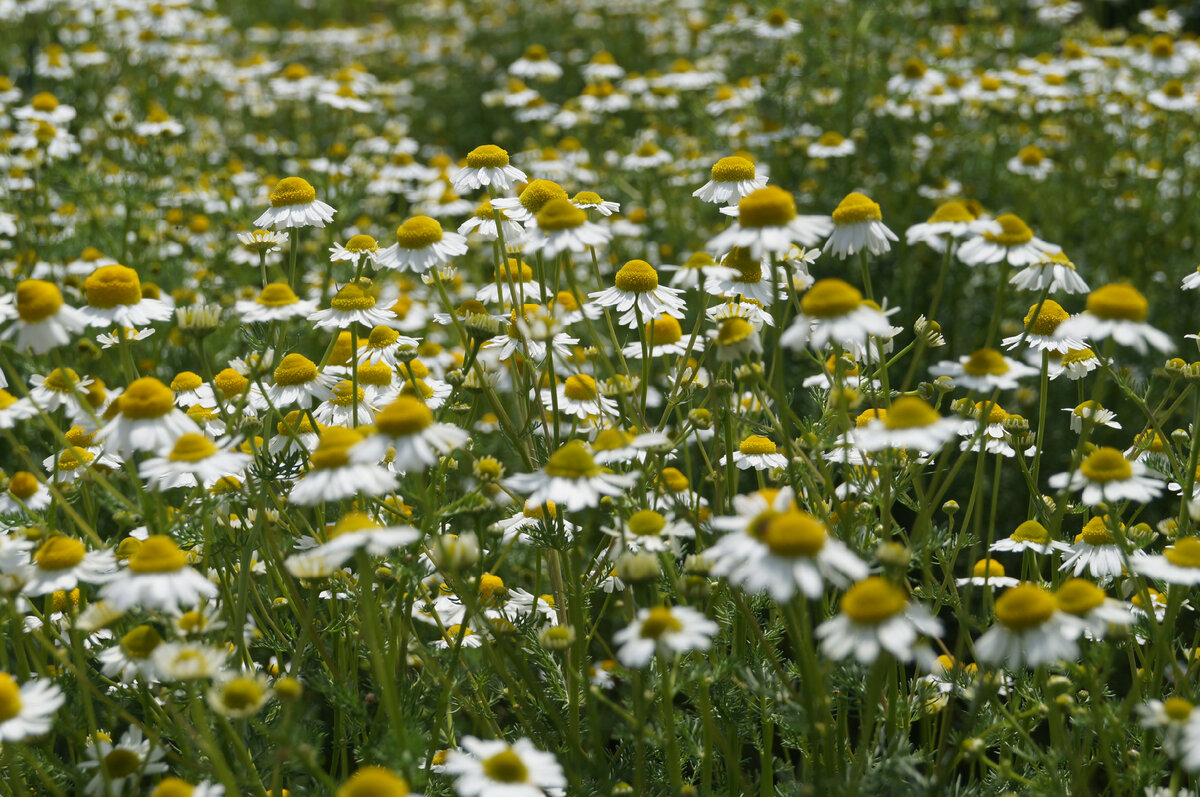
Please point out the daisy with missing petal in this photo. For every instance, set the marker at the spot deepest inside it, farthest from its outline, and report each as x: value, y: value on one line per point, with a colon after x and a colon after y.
x: 297, y: 382
x: 590, y: 200
x: 407, y: 429
x: 637, y: 295
x: 757, y: 452
x: 334, y: 475
x: 1119, y: 312
x: 44, y: 322
x: 1106, y: 475
x: 147, y: 419
x: 1029, y: 536
x: 1090, y: 410
x: 157, y: 577
x: 910, y: 423
x: 572, y: 479
x: 487, y: 167
x: 1095, y: 551
x: 984, y: 370
x: 276, y: 302
x: 353, y: 303
x: 767, y: 224
x: 876, y: 615
x: 1041, y: 332
x: 733, y: 178
x: 62, y: 562
x: 421, y: 244
x: 833, y: 311
x: 796, y: 554
x: 114, y: 298
x: 1029, y: 631
x: 294, y: 203
x: 857, y: 226
x: 497, y: 769
x: 666, y: 630
x: 1074, y: 365
x: 1053, y: 273
x: 193, y: 460
x: 27, y: 709
x: 1005, y: 239
x: 1177, y: 564
x: 1087, y: 610
x: 562, y: 227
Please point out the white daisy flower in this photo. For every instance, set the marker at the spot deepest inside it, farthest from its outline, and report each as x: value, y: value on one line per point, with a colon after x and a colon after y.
x: 276, y: 302
x: 62, y: 562
x: 984, y: 370
x: 44, y: 322
x: 876, y: 615
x: 858, y: 225
x: 119, y: 766
x: 358, y: 247
x: 563, y: 227
x: 157, y: 577
x: 572, y: 479
x: 487, y: 167
x: 483, y: 223
x: 1088, y: 611
x: 1095, y: 551
x: 297, y: 382
x: 115, y: 298
x: 1106, y: 475
x: 356, y: 531
x: 580, y: 396
x: 494, y: 767
x: 1041, y: 333
x: 1177, y: 564
x: 638, y: 296
x: 758, y: 453
x: 1119, y: 312
x: 334, y: 476
x: 1090, y: 410
x: 590, y: 200
x: 910, y: 423
x: 833, y: 312
x: 1030, y: 631
x: 950, y: 222
x: 666, y: 630
x: 406, y: 429
x: 649, y: 530
x: 147, y: 419
x: 353, y: 303
x: 421, y: 244
x: 27, y: 709
x: 1053, y: 273
x: 1005, y: 239
x: 294, y: 203
x: 987, y: 573
x: 733, y: 178
x: 193, y: 460
x: 1029, y: 536
x: 831, y: 144
x: 767, y: 224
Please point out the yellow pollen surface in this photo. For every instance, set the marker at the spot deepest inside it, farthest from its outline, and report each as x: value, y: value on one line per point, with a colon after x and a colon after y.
x: 857, y: 208
x: 292, y: 191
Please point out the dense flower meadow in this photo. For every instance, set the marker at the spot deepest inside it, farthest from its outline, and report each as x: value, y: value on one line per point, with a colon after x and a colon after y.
x: 542, y: 398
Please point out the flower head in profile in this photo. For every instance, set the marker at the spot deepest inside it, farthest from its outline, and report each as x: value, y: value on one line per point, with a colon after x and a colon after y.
x: 276, y: 302
x: 951, y: 222
x: 858, y: 226
x: 115, y: 298
x: 294, y: 203
x: 1117, y: 311
x: 571, y: 478
x: 1177, y: 564
x: 767, y: 223
x: 638, y: 295
x: 157, y: 576
x: 146, y: 420
x: 334, y: 475
x: 984, y: 370
x: 421, y: 244
x: 833, y: 312
x: 666, y: 630
x: 1029, y: 630
x: 43, y: 322
x: 495, y: 767
x: 733, y: 178
x: 488, y: 167
x: 27, y: 709
x: 1005, y: 239
x: 875, y: 616
x: 563, y: 227
x: 1105, y: 475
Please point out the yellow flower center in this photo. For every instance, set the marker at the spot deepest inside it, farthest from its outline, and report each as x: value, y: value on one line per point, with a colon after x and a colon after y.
x: 111, y: 286
x: 910, y: 412
x: 580, y: 387
x: 734, y: 330
x: 381, y: 337
x: 10, y: 697
x: 491, y: 586
x: 333, y: 451
x: 658, y: 622
x: 1031, y: 531
x: 560, y: 214
x: 173, y: 787
x: 230, y: 383
x: 353, y: 297
x: 831, y: 139
x: 1184, y: 553
x: 664, y: 330
x: 1177, y: 709
x: 405, y: 416
x: 192, y: 448
x: 1078, y: 356
x: 952, y: 212
x: 1013, y: 231
x: 572, y: 461
x: 587, y: 198
x: 872, y: 601
x: 538, y: 193
x: 1048, y: 318
x: 1025, y: 606
x: 44, y: 101
x: 506, y: 767
x: 756, y: 444
x: 158, y: 553
x: 121, y: 762
x: 74, y: 457
x: 1106, y: 465
x: 914, y: 68
x: 186, y: 381
x: 734, y: 169
x: 141, y: 642
x: 646, y: 523
x: 1095, y: 532
x: 1078, y: 596
x: 985, y: 362
x: 373, y: 782
x: 345, y: 394
x: 37, y: 300
x: 375, y: 375
x: 241, y: 694
x: 361, y: 243
x: 766, y: 207
x: 856, y: 208
x: 146, y: 398
x: 1118, y: 302
x: 23, y: 485
x: 1031, y: 155
x: 489, y: 156
x: 612, y: 439
x: 637, y: 276
x: 62, y: 380
x: 292, y: 191
x: 830, y: 298
x: 1161, y: 46
x: 277, y: 294
x: 988, y: 568
x: 795, y: 534
x: 295, y: 369
x: 419, y: 232
x: 7, y: 399
x: 1173, y: 89
x: 59, y: 553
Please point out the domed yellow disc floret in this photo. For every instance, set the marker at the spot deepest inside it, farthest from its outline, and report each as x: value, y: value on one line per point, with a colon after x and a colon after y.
x: 857, y: 208
x: 1106, y: 465
x: 831, y: 139
x: 637, y: 276
x: 140, y: 642
x: 44, y: 101
x: 910, y: 412
x: 374, y: 782
x: 381, y: 337
x: 586, y: 198
x: 873, y: 600
x: 580, y: 387
x: 230, y: 383
x: 295, y: 369
x: 572, y: 461
x: 1096, y: 532
x: 1013, y: 231
x: 988, y: 568
x: 62, y: 380
x: 333, y: 450
x: 186, y: 382
x: 1031, y: 155
x: 1025, y: 606
x: 361, y: 243
x: 345, y: 394
x: 353, y: 296
x: 1118, y: 302
x: 419, y: 232
x: 158, y: 553
x: 733, y: 330
x: 1048, y: 318
x: 757, y: 444
x: 733, y: 169
x: 830, y: 298
x: 351, y: 523
x: 538, y: 193
x: 10, y: 697
x: 1031, y: 531
x: 1077, y: 596
x: 23, y: 485
x: 986, y: 362
x: 146, y: 398
x: 951, y: 212
x: 659, y: 621
x: 560, y: 214
x: 37, y: 300
x: 292, y: 191
x: 489, y: 156
x: 766, y: 207
x: 1184, y: 553
x: 112, y: 286
x: 795, y: 534
x: 59, y: 553
x: 646, y: 523
x: 192, y: 447
x: 664, y: 331
x: 277, y: 294
x: 405, y: 416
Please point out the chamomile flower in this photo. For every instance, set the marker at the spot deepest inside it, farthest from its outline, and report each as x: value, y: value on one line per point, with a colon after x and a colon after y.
x: 385, y: 346
x: 334, y: 475
x: 951, y: 221
x: 294, y: 203
x: 767, y: 223
x: 875, y: 616
x: 25, y: 493
x: 666, y: 630
x: 857, y: 226
x: 115, y: 298
x: 494, y: 767
x: 649, y: 530
x: 910, y: 423
x: 533, y: 197
x: 1173, y: 718
x: 120, y: 765
x: 580, y: 396
x: 157, y: 577
x: 356, y: 531
x: 487, y: 166
x: 239, y: 695
x: 1053, y: 272
x: 262, y: 241
x: 1041, y: 331
x: 349, y: 405
x: 421, y: 244
x: 1005, y: 239
x: 1179, y: 563
x: 638, y: 296
x: 61, y: 562
x: 590, y: 200
x: 374, y: 781
x: 1105, y: 475
x: 563, y: 227
x: 833, y: 312
x: 987, y: 573
x: 1029, y: 631
x: 406, y: 428
x: 571, y: 479
x: 1029, y: 536
x: 298, y: 382
x: 740, y: 275
x: 146, y: 420
x: 831, y: 144
x: 356, y: 249
x: 1096, y: 552
x: 664, y: 337
x: 758, y: 453
x: 733, y: 178
x: 44, y: 322
x: 193, y: 460
x: 27, y: 709
x: 1087, y: 610
x: 984, y: 370
x: 354, y: 303
x: 1090, y: 410
x: 188, y: 661
x: 1074, y: 365
x: 276, y: 302
x: 1119, y: 312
